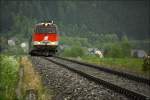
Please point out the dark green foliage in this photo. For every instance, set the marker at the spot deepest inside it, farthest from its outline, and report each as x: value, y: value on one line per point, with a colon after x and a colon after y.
x: 22, y: 26
x: 74, y: 41
x: 74, y: 51
x: 113, y: 50
x: 82, y: 16
x: 96, y: 24
x: 118, y: 49
x: 126, y: 46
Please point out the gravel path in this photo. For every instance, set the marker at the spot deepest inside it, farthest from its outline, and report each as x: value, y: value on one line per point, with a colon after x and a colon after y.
x: 71, y: 86
x: 120, y: 81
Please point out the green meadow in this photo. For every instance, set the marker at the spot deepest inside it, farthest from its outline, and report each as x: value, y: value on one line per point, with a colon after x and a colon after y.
x: 134, y: 65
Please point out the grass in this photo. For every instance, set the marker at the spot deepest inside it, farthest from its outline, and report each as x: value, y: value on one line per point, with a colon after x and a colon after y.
x: 32, y: 80
x: 129, y: 64
x: 9, y: 67
x: 12, y: 86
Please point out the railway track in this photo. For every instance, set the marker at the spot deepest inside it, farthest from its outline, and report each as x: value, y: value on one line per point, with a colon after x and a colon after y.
x: 121, y: 74
x: 106, y: 78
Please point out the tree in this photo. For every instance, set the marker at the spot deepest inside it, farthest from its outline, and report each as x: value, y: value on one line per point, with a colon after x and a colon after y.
x: 126, y: 46
x: 22, y: 26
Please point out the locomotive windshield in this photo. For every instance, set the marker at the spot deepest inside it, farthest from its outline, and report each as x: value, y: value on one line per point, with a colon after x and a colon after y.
x: 45, y: 30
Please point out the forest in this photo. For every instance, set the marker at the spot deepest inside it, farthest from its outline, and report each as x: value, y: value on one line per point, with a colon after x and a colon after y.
x: 95, y: 24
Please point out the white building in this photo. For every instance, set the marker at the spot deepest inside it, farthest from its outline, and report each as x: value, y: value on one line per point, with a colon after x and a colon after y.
x: 138, y: 53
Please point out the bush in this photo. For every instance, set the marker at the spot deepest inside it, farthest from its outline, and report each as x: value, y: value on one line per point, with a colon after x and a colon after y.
x: 113, y: 50
x: 8, y: 77
x: 126, y: 46
x: 118, y: 50
x: 73, y: 52
x: 146, y: 64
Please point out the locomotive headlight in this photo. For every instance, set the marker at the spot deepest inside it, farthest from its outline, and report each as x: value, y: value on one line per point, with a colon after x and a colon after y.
x: 36, y: 43
x: 54, y: 43
x: 46, y: 24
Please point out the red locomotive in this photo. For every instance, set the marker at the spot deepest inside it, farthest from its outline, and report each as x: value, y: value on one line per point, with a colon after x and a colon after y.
x: 45, y: 39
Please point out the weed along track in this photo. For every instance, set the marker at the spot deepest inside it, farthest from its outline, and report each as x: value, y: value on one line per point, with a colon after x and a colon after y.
x: 30, y: 85
x: 126, y: 86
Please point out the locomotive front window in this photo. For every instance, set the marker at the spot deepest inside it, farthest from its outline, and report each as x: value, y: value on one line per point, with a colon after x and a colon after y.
x: 45, y: 30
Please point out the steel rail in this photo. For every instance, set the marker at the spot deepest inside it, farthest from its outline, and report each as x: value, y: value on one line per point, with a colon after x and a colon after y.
x: 128, y: 93
x: 115, y: 72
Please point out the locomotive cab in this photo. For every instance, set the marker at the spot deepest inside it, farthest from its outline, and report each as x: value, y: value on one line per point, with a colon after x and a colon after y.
x: 45, y: 39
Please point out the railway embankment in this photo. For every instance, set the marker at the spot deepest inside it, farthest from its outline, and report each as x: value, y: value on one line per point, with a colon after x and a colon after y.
x: 69, y: 85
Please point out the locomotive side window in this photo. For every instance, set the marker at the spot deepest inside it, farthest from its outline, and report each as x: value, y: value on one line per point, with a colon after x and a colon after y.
x: 45, y: 30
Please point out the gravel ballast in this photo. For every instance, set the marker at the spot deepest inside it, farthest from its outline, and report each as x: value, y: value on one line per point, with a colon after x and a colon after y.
x: 71, y: 86
x: 115, y: 79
